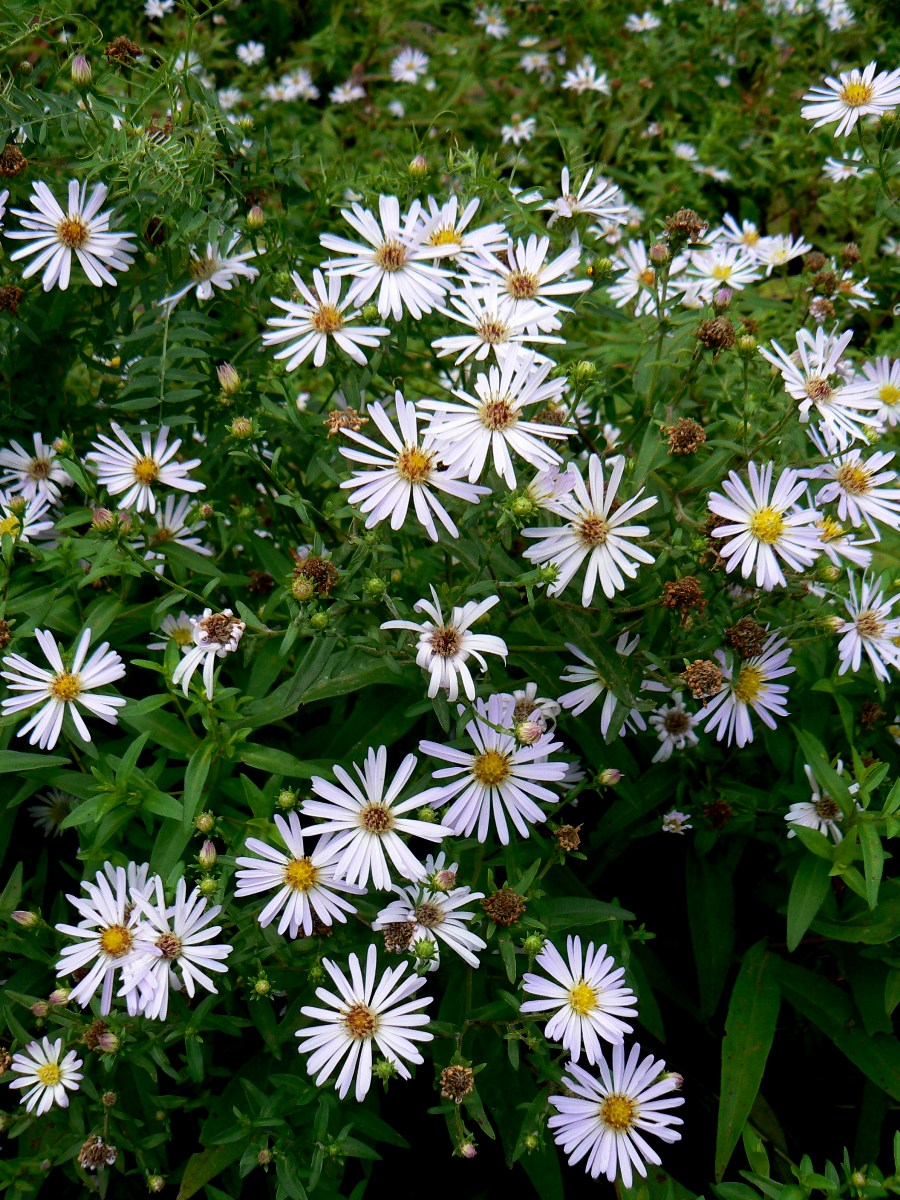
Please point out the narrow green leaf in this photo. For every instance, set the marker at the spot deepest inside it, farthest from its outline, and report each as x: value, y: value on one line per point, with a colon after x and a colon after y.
x: 203, y: 1167
x: 194, y: 781
x: 14, y: 761
x: 710, y: 896
x: 873, y: 859
x: 749, y: 1030
x: 809, y: 889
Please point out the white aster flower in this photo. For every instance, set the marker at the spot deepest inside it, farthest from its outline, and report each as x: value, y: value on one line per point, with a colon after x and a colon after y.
x: 62, y: 690
x: 490, y: 18
x: 495, y: 420
x: 862, y: 489
x: 366, y: 1010
x: 676, y: 822
x: 251, y: 54
x: 596, y: 531
x: 155, y: 10
x: 604, y: 200
x: 779, y: 250
x: 838, y: 545
x: 586, y: 993
x: 49, y: 1077
x: 450, y: 228
x: 170, y: 937
x: 319, y: 315
x: 173, y: 528
x: 38, y: 475
x: 230, y: 98
x: 637, y: 278
x: 538, y: 710
x: 405, y: 470
x: 526, y: 277
x: 721, y: 265
x: 218, y: 267
x: 396, y: 260
x: 583, y: 77
x: 643, y: 23
x: 179, y: 630
x: 674, y: 726
x: 445, y: 646
x: 763, y: 525
x: 124, y: 468
x: 606, y: 1121
x: 409, y: 65
x: 54, y: 235
x: 727, y: 714
x: 305, y: 882
x: 215, y: 635
x: 812, y: 376
x: 367, y: 819
x: 883, y: 376
x: 23, y: 520
x: 105, y: 936
x: 848, y: 166
x: 870, y: 627
x: 50, y: 811
x: 593, y: 684
x: 518, y: 130
x: 496, y: 322
x: 347, y: 93
x: 746, y: 234
x: 820, y: 812
x: 500, y: 779
x: 426, y: 912
x: 855, y: 94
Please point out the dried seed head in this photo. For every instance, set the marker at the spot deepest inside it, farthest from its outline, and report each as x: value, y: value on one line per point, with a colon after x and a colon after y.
x: 5, y: 1060
x: 96, y: 1154
x: 684, y: 226
x: 683, y: 595
x: 344, y: 418
x: 686, y: 436
x: 747, y: 636
x: 718, y: 813
x: 850, y: 254
x: 95, y: 1031
x: 398, y: 935
x: 704, y: 678
x: 321, y: 573
x: 504, y: 907
x: 717, y: 334
x: 123, y: 51
x: 12, y: 161
x: 10, y: 296
x: 259, y: 583
x: 5, y: 635
x: 568, y: 837
x: 871, y: 713
x: 457, y: 1083
x: 814, y: 261
x: 825, y: 283
x: 821, y: 309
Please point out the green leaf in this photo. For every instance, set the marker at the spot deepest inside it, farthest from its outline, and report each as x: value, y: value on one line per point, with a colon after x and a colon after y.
x: 508, y: 954
x: 194, y: 781
x: 710, y: 896
x: 274, y: 762
x: 749, y: 1030
x: 873, y: 859
x: 14, y: 761
x: 203, y: 1167
x: 569, y: 912
x: 12, y: 893
x: 809, y: 889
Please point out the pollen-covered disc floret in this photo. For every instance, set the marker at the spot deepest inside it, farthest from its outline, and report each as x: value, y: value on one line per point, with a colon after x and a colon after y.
x: 605, y: 1122
x: 498, y: 779
x: 305, y: 882
x: 446, y: 644
x: 586, y: 994
x: 367, y: 1010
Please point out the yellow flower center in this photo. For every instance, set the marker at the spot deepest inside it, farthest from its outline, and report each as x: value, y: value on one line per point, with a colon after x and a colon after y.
x: 830, y: 529
x: 751, y: 237
x: 116, y: 940
x: 582, y: 998
x: 146, y: 470
x: 445, y: 236
x: 750, y: 683
x: 49, y: 1074
x: 647, y: 276
x: 522, y: 285
x: 493, y: 331
x: 300, y: 874
x: 360, y: 1021
x: 617, y: 1112
x: 869, y: 625
x: 327, y: 319
x: 767, y: 525
x: 593, y: 530
x: 889, y: 395
x: 10, y: 525
x: 202, y: 269
x: 73, y: 232
x: 182, y: 636
x: 491, y: 768
x: 497, y: 414
x: 722, y: 271
x: 390, y: 256
x: 855, y: 95
x: 414, y: 465
x: 853, y: 479
x: 65, y: 687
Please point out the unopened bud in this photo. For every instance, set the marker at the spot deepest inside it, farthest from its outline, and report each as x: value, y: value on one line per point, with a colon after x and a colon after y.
x: 26, y: 919
x: 245, y: 123
x: 528, y: 732
x: 229, y: 380
x: 419, y: 166
x: 302, y: 588
x: 107, y: 1042
x: 241, y: 428
x: 155, y: 1183
x: 445, y: 880
x: 582, y: 373
x: 286, y: 799
x: 103, y: 520
x: 205, y: 511
x: 208, y: 886
x: 549, y: 573
x: 610, y: 777
x: 204, y: 822
x: 466, y: 1150
x: 256, y: 218
x: 375, y: 587
x: 533, y: 944
x: 427, y: 814
x: 531, y: 1141
x: 746, y: 346
x: 523, y: 506
x: 319, y: 621
x: 59, y: 997
x: 40, y: 1009
x: 659, y: 253
x: 384, y: 1069
x: 109, y: 1099
x: 722, y: 298
x: 262, y: 987
x: 370, y: 313
x: 425, y: 949
x: 81, y: 71
x: 264, y: 1157
x: 207, y: 857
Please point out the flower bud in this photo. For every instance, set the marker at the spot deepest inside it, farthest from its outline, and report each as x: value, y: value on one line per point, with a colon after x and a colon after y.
x: 746, y: 346
x: 466, y: 1150
x: 427, y: 814
x: 241, y: 428
x: 548, y: 573
x: 264, y: 1157
x: 205, y: 511
x: 425, y: 949
x: 229, y: 380
x: 527, y: 733
x: 609, y: 777
x: 262, y: 987
x: 375, y: 587
x: 418, y: 168
x: 722, y: 299
x: 384, y: 1069
x: 109, y: 1099
x: 319, y: 621
x: 286, y: 799
x: 207, y: 856
x: 40, y: 1009
x: 107, y: 1042
x: 371, y: 314
x: 103, y: 520
x: 155, y: 1183
x: 204, y: 822
x: 302, y: 588
x: 26, y: 919
x: 522, y: 506
x: 59, y: 997
x: 81, y: 71
x: 256, y: 218
x: 245, y: 123
x: 445, y: 880
x: 533, y: 944
x: 531, y: 1141
x: 659, y: 253
x: 582, y: 373
x: 208, y: 886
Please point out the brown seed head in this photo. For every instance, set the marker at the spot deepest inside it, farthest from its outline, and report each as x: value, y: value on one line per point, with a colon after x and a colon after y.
x: 10, y: 298
x: 717, y: 334
x: 397, y: 936
x: 259, y: 583
x: 95, y: 1154
x: 814, y: 261
x: 504, y: 907
x: 684, y: 595
x: 12, y: 161
x: 686, y: 436
x: 5, y: 635
x: 850, y: 254
x: 871, y: 713
x: 322, y: 574
x: 344, y: 418
x: 5, y: 1060
x: 825, y: 283
x: 217, y: 627
x: 94, y: 1032
x: 718, y: 813
x: 684, y: 226
x: 123, y: 51
x: 457, y: 1083
x: 747, y: 636
x: 568, y: 837
x: 704, y: 678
